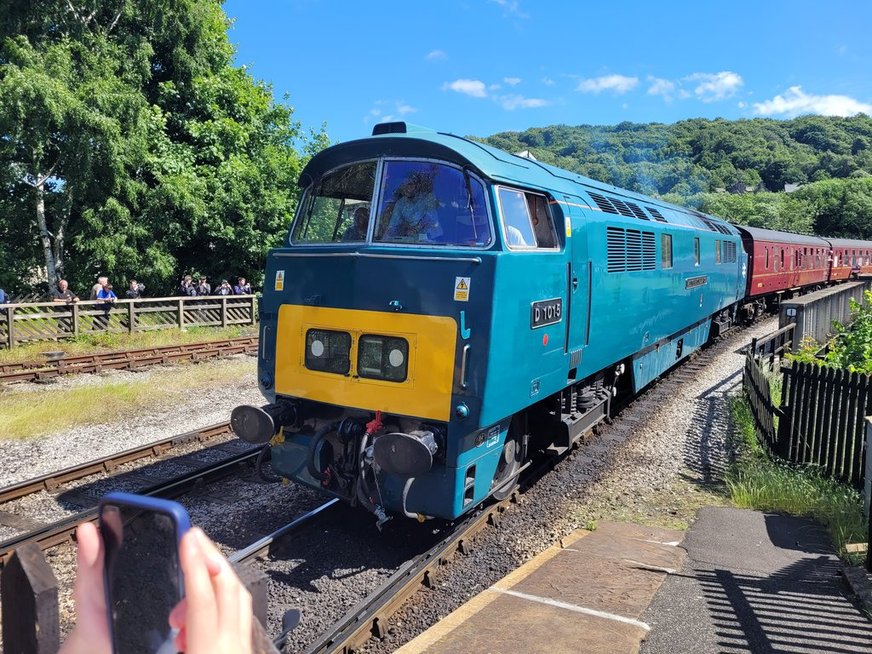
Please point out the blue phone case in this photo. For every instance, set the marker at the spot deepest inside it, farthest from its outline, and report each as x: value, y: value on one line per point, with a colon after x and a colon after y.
x: 174, y: 510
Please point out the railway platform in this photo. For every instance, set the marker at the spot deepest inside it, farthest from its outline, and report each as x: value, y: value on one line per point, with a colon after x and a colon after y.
x: 738, y: 580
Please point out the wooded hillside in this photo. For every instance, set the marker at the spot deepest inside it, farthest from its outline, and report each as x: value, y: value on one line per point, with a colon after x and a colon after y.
x: 690, y: 161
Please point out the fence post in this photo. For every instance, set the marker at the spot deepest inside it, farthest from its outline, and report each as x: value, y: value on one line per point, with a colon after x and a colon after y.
x: 181, y: 313
x: 75, y: 309
x: 867, y: 495
x: 253, y: 309
x: 131, y: 317
x: 10, y: 324
x: 30, y: 603
x: 257, y: 583
x: 224, y: 311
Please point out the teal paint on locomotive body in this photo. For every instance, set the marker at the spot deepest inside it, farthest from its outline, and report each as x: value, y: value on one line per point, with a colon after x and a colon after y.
x: 606, y: 317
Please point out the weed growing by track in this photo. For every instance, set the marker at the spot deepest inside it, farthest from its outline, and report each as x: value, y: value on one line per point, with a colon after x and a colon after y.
x: 758, y: 481
x: 104, y: 342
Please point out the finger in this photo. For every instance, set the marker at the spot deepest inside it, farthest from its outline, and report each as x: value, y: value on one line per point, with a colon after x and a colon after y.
x: 246, y: 615
x: 226, y: 584
x: 215, y: 561
x: 180, y: 642
x: 201, y: 615
x: 177, y: 615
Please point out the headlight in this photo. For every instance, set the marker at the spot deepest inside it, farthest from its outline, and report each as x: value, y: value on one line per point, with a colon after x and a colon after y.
x: 328, y: 351
x: 383, y: 357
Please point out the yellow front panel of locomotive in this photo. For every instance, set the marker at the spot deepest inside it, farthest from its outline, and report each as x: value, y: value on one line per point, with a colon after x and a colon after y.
x: 426, y: 392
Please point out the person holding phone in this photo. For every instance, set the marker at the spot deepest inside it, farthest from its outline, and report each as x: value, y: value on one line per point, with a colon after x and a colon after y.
x: 214, y: 617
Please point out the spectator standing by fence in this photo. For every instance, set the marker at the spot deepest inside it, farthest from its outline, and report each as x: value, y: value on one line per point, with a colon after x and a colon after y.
x: 96, y: 288
x: 203, y: 287
x: 186, y: 287
x: 134, y: 291
x: 108, y: 297
x: 242, y: 288
x: 63, y: 294
x: 224, y: 289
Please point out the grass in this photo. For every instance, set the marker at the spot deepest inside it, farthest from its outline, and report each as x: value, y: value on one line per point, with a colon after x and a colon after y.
x: 27, y: 414
x: 96, y: 343
x: 758, y: 481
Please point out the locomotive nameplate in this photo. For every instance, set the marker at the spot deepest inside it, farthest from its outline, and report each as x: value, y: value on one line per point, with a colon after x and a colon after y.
x: 546, y: 312
x: 693, y: 282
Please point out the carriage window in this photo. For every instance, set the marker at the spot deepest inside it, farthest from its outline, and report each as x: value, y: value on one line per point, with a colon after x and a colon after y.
x: 527, y: 221
x: 782, y: 259
x: 666, y: 250
x: 431, y: 204
x: 337, y: 208
x: 717, y: 251
x: 766, y: 250
x: 696, y: 251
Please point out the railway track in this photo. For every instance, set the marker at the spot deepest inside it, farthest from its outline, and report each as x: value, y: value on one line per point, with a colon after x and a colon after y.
x: 108, y: 464
x: 62, y: 530
x: 125, y: 359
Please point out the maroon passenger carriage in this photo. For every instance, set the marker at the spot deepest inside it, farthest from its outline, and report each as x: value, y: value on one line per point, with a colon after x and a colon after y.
x: 850, y: 258
x: 782, y: 263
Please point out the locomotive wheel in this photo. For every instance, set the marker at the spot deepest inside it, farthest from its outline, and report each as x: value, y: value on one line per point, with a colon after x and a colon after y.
x: 506, y: 475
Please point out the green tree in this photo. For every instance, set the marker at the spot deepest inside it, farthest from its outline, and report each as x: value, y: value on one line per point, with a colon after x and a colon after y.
x: 135, y: 144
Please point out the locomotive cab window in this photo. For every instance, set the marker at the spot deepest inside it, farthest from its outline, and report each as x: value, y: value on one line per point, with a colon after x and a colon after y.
x: 337, y: 208
x: 427, y: 203
x: 526, y: 220
x: 696, y: 251
x: 717, y: 251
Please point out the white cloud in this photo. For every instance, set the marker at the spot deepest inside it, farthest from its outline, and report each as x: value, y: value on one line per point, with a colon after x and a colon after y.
x: 715, y: 86
x: 795, y: 101
x: 436, y: 54
x: 512, y: 81
x: 547, y: 81
x: 741, y: 104
x: 616, y: 83
x: 512, y: 8
x: 512, y: 102
x: 471, y: 87
x: 660, y: 86
x: 493, y: 87
x: 384, y: 111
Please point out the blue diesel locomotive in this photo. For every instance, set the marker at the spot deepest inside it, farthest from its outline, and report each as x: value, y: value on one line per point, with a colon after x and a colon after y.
x: 443, y: 310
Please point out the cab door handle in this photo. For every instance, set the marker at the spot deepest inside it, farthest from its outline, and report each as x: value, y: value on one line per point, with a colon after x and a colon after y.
x: 574, y: 283
x: 463, y: 360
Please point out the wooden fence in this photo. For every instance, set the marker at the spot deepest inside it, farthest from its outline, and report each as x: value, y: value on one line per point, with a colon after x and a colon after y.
x: 820, y: 419
x: 42, y: 321
x: 823, y: 419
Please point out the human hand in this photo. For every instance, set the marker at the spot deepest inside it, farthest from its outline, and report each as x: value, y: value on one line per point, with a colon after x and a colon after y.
x: 216, y: 615
x: 91, y: 633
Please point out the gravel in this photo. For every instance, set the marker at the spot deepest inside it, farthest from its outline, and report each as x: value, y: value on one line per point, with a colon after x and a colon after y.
x: 27, y: 458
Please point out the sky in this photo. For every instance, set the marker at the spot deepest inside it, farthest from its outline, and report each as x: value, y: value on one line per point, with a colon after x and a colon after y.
x: 479, y: 67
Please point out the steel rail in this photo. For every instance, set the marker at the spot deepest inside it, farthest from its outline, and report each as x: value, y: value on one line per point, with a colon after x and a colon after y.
x: 126, y: 359
x: 62, y: 530
x: 262, y: 545
x: 107, y: 464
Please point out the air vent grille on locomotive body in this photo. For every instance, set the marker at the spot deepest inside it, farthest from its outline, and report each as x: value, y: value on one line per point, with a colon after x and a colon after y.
x: 729, y: 252
x: 637, y: 211
x: 657, y: 215
x: 603, y: 202
x: 630, y: 250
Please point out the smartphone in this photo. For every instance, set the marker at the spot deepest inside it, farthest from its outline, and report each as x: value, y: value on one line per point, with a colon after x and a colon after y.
x: 142, y: 573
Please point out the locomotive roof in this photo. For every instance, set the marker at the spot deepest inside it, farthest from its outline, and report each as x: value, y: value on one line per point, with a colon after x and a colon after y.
x: 760, y: 234
x: 402, y: 140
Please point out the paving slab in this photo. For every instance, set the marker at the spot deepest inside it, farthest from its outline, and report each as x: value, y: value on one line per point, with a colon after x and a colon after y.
x: 583, y: 595
x: 756, y: 582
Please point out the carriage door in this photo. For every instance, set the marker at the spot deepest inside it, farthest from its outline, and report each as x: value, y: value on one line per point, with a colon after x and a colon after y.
x: 577, y: 282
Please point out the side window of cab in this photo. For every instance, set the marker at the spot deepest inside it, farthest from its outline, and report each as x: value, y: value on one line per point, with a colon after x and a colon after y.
x: 527, y: 222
